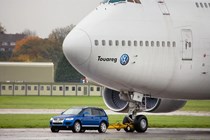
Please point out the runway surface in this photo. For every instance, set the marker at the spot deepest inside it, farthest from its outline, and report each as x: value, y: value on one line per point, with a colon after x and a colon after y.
x: 152, y: 133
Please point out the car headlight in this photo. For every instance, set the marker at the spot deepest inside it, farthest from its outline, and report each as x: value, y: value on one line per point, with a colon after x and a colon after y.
x: 69, y: 119
x: 51, y: 119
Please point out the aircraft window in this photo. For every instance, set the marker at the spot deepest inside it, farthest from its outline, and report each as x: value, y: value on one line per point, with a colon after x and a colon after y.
x: 104, y: 1
x: 201, y: 5
x: 141, y: 43
x: 174, y: 44
x: 152, y: 43
x: 158, y: 44
x: 197, y: 5
x: 96, y: 42
x: 116, y: 42
x: 114, y: 1
x: 209, y: 4
x: 130, y: 1
x: 103, y: 42
x: 168, y: 43
x: 135, y: 43
x: 206, y: 5
x: 190, y: 44
x: 123, y: 43
x: 147, y: 43
x: 129, y: 43
x: 163, y: 44
x: 110, y: 42
x: 137, y: 1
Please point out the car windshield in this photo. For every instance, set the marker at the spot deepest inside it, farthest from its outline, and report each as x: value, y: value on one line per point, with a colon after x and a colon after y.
x: 72, y: 111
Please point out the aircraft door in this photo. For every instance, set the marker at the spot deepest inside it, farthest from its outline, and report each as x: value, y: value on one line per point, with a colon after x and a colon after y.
x: 187, y: 45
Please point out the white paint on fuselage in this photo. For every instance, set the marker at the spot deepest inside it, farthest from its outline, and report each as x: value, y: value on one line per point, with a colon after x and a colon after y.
x: 157, y: 71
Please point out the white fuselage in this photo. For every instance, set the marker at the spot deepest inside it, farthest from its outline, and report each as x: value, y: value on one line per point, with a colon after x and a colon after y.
x: 168, y: 44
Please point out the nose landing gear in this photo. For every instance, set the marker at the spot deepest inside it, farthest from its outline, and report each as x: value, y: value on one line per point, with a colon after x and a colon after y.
x: 133, y: 122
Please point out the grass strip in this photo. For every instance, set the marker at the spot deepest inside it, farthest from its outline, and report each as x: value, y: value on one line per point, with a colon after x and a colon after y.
x: 60, y: 102
x: 42, y: 121
x: 49, y: 102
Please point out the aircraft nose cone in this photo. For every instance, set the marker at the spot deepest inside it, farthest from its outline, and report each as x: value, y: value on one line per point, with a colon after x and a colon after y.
x: 77, y: 47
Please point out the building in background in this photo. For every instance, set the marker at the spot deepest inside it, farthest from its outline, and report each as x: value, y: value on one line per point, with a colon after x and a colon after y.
x: 26, y: 72
x: 8, y: 41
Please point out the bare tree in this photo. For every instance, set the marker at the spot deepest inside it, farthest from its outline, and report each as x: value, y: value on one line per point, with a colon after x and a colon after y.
x: 28, y: 32
x: 2, y: 29
x: 59, y: 34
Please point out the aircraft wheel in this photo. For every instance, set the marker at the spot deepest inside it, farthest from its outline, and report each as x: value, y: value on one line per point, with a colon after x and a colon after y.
x: 140, y: 123
x: 127, y: 129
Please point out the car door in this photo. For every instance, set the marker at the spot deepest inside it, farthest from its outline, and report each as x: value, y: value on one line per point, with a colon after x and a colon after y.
x: 87, y: 120
x: 97, y: 117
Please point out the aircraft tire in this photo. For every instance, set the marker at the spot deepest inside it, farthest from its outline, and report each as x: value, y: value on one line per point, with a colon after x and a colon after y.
x: 127, y: 129
x: 140, y: 123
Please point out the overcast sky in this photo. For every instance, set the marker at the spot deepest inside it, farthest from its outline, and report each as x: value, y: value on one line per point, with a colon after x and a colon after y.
x: 42, y: 16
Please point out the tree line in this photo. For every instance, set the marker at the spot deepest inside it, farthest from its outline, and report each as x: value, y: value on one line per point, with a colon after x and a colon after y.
x: 35, y: 49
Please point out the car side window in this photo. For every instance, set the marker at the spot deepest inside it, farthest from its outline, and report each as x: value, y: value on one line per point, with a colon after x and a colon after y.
x: 87, y: 112
x: 102, y: 113
x: 96, y: 112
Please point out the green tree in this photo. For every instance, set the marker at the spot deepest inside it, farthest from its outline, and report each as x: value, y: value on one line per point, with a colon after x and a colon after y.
x: 5, y: 55
x: 66, y: 73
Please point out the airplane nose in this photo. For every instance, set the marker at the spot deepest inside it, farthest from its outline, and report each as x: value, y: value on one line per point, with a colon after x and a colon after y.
x: 77, y: 47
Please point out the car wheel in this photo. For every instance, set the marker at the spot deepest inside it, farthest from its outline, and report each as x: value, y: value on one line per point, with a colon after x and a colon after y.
x: 127, y: 129
x: 102, y: 127
x: 54, y: 129
x: 77, y: 127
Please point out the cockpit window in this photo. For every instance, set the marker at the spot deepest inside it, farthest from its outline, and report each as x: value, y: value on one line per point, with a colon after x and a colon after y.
x: 134, y: 1
x: 115, y: 1
x: 104, y: 1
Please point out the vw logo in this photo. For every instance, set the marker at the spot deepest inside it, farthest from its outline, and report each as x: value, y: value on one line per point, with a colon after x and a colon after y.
x: 124, y: 59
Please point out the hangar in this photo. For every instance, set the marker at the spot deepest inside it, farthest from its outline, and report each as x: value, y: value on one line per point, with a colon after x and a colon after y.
x: 26, y: 72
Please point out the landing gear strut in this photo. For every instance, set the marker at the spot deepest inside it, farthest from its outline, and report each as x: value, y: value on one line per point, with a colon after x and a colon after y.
x: 136, y: 104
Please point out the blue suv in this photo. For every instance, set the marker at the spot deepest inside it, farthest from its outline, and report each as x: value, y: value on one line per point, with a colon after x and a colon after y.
x: 79, y: 119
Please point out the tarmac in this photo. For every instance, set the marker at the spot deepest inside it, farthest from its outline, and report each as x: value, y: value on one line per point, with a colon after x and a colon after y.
x: 151, y: 133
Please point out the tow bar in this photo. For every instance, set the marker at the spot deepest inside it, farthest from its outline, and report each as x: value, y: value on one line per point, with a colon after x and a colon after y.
x: 119, y: 126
